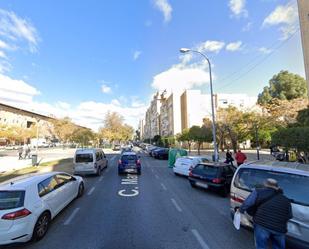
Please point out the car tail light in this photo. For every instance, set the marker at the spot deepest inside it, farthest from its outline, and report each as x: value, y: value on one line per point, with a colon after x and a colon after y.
x: 217, y: 180
x: 236, y: 198
x: 190, y: 173
x: 16, y: 215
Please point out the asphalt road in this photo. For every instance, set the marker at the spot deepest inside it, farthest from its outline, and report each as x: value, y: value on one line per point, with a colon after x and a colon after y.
x: 156, y: 210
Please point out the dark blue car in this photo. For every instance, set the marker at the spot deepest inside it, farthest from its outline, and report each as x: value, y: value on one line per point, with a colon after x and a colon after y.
x: 161, y: 153
x: 129, y: 163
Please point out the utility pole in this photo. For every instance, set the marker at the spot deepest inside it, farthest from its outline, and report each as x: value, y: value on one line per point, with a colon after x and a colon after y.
x: 257, y: 142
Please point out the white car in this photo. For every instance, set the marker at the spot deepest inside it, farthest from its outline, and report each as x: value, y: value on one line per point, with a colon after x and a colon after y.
x: 29, y: 203
x: 183, y: 165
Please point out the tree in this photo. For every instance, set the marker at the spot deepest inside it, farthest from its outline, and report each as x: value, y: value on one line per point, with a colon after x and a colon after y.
x: 200, y: 135
x: 114, y: 128
x: 185, y: 136
x: 303, y: 117
x: 284, y: 86
x: 64, y: 129
x: 83, y: 136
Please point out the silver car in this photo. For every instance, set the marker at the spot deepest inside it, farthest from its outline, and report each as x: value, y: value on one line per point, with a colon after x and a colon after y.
x: 293, y: 178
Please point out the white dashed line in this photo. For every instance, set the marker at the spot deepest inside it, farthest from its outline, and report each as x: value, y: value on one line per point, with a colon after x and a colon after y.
x: 199, y: 239
x: 176, y: 205
x: 68, y: 221
x: 91, y: 191
x: 163, y: 186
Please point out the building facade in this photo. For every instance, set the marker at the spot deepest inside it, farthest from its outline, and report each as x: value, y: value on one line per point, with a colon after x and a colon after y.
x: 303, y: 9
x: 152, y: 118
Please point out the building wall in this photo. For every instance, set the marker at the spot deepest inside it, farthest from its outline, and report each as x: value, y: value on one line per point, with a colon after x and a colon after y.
x: 240, y: 101
x: 303, y: 9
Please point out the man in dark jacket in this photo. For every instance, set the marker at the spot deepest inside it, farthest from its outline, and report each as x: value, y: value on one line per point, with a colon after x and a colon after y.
x: 271, y: 211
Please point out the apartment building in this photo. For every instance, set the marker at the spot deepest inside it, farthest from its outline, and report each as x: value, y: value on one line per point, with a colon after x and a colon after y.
x: 152, y: 118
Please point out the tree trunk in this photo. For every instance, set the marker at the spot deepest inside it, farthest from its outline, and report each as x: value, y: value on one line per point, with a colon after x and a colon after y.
x: 199, y: 148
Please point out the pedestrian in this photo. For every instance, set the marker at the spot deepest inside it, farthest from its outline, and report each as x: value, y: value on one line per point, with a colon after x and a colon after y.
x: 229, y: 157
x: 271, y: 210
x: 28, y: 151
x: 20, y: 153
x: 25, y: 148
x: 240, y: 158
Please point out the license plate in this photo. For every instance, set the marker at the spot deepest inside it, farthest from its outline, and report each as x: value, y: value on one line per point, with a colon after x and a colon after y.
x: 203, y: 185
x: 130, y: 170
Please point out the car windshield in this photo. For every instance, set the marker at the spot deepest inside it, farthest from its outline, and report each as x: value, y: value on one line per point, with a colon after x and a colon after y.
x: 84, y: 158
x: 295, y: 187
x: 11, y: 199
x: 207, y: 170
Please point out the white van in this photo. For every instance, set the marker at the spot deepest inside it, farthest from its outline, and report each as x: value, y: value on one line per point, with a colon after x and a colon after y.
x: 184, y: 164
x: 89, y: 161
x: 293, y: 178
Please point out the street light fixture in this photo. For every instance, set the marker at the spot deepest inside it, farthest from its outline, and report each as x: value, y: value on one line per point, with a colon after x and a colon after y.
x: 187, y: 50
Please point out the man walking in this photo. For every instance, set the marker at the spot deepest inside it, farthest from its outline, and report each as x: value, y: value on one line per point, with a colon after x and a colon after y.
x: 229, y: 157
x: 271, y: 211
x: 240, y: 158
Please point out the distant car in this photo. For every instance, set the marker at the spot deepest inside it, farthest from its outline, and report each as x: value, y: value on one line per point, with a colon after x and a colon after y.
x: 29, y: 203
x: 129, y: 163
x: 117, y: 147
x: 183, y: 165
x: 214, y: 176
x: 150, y: 150
x: 89, y: 161
x: 161, y: 153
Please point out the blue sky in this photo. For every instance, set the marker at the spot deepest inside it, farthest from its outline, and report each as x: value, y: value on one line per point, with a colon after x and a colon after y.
x: 83, y: 58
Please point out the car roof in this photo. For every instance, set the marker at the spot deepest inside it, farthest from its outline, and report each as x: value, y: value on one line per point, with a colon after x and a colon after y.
x: 24, y: 181
x: 290, y: 167
x: 86, y: 151
x: 129, y: 153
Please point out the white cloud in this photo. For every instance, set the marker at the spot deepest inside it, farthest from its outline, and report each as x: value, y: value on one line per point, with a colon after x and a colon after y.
x: 285, y: 16
x: 136, y: 55
x: 165, y: 7
x: 265, y: 50
x: 16, y: 29
x: 2, y: 55
x: 181, y: 77
x: 234, y: 46
x: 247, y: 27
x: 90, y: 114
x: 238, y: 8
x: 4, y: 45
x: 135, y: 102
x: 106, y: 89
x: 5, y: 66
x: 210, y: 46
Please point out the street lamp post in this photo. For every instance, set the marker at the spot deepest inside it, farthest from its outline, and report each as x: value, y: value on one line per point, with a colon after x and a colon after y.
x: 186, y: 50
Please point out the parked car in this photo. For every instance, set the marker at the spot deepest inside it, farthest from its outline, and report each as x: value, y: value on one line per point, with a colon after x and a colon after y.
x: 293, y: 178
x: 117, y: 147
x: 161, y: 153
x: 151, y: 149
x: 129, y: 163
x: 183, y: 165
x: 214, y: 176
x: 155, y: 149
x: 89, y: 161
x: 29, y: 203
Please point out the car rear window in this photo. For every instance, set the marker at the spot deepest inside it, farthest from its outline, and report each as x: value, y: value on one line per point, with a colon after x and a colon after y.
x: 84, y: 158
x: 295, y: 187
x: 207, y: 170
x: 11, y: 199
x: 129, y: 158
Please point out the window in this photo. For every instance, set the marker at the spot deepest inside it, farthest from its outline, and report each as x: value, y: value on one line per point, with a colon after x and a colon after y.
x: 98, y: 156
x: 208, y: 170
x: 84, y: 158
x: 295, y: 187
x: 63, y: 179
x: 127, y: 158
x: 48, y: 185
x: 11, y: 199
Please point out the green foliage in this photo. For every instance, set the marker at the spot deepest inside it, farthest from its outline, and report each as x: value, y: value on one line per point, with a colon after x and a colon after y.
x: 284, y: 86
x: 83, y: 136
x: 200, y: 135
x: 303, y: 117
x: 185, y: 136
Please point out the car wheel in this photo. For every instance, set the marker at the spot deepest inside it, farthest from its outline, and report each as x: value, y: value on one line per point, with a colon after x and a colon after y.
x: 99, y: 171
x: 41, y: 226
x: 193, y: 185
x: 81, y: 189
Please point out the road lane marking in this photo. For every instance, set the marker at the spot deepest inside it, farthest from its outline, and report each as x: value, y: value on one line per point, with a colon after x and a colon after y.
x: 101, y: 178
x: 163, y: 186
x: 68, y: 221
x: 157, y: 176
x: 176, y: 205
x: 199, y: 239
x: 91, y: 190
